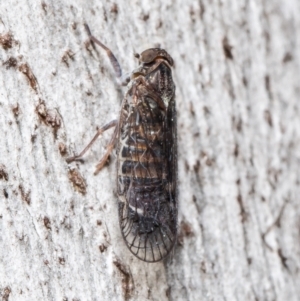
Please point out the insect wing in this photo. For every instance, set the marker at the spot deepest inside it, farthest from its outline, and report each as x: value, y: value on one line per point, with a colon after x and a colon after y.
x: 147, y: 177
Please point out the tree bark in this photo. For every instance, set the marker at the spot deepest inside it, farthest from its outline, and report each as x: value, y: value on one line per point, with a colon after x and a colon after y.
x: 237, y: 67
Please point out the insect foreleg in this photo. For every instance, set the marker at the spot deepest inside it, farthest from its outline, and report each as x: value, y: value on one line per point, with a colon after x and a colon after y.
x: 99, y: 132
x: 113, y: 60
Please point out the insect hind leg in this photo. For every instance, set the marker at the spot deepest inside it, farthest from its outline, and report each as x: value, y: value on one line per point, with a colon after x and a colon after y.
x: 109, y: 149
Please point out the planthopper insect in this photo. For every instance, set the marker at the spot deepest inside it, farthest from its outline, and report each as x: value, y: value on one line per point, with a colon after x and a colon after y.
x: 146, y: 138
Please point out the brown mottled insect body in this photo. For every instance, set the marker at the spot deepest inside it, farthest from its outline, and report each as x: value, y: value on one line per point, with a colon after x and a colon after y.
x: 147, y: 164
x: 146, y: 156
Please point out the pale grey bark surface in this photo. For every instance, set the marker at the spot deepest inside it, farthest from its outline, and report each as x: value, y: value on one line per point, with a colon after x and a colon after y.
x: 238, y: 89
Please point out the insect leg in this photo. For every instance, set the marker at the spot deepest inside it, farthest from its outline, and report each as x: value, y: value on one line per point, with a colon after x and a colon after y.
x: 112, y: 58
x: 99, y: 132
x: 109, y: 149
